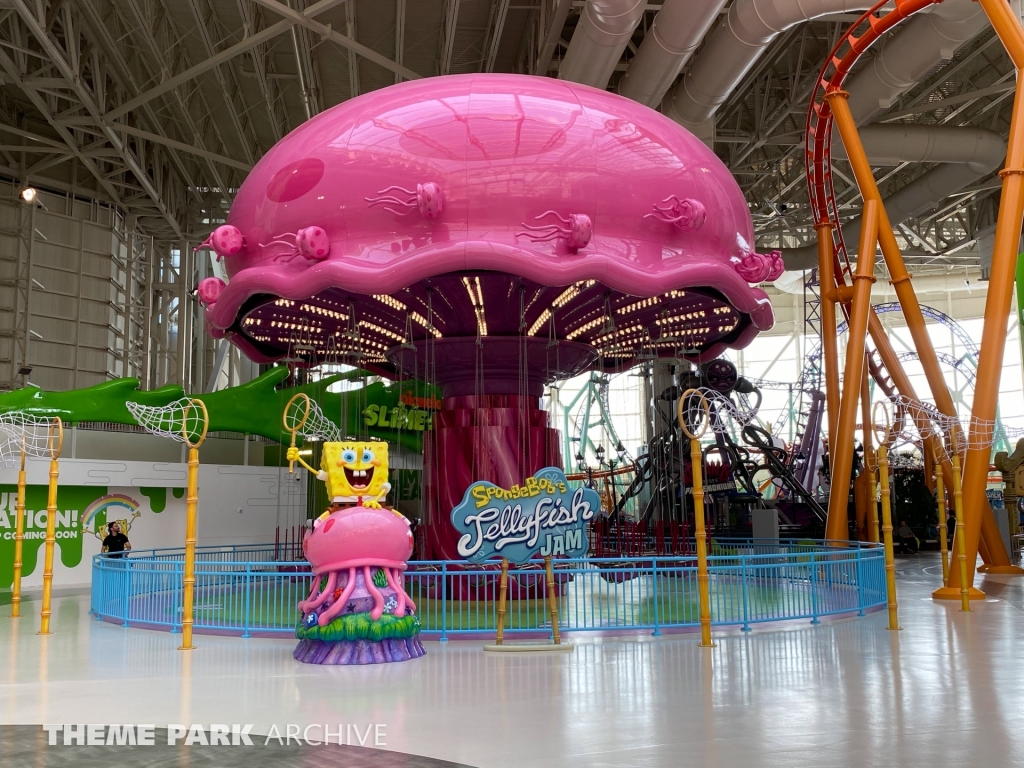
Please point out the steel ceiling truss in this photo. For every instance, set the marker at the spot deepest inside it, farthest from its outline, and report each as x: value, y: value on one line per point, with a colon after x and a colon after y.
x: 160, y: 107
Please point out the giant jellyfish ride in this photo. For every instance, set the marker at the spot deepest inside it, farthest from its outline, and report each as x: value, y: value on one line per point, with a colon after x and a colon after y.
x: 488, y: 234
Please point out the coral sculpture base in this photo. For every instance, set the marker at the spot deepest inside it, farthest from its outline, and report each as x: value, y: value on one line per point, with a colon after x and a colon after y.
x: 359, y: 651
x: 355, y: 638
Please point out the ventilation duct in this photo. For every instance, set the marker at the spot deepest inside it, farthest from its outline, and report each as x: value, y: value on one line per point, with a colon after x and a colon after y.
x: 967, y: 154
x: 968, y: 281
x: 676, y: 32
x: 601, y: 36
x: 734, y: 47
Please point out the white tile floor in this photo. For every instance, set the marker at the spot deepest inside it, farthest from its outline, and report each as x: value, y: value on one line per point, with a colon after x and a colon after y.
x: 946, y: 691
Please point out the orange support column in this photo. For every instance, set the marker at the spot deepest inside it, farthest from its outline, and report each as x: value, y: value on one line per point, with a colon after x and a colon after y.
x: 837, y: 525
x: 901, y: 282
x: 900, y: 278
x: 829, y: 343
x: 977, y: 515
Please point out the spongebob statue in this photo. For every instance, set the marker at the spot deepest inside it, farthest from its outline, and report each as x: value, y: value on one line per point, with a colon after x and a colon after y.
x: 355, y: 472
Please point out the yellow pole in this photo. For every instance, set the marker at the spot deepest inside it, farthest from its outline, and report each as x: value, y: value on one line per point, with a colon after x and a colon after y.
x: 940, y: 497
x: 829, y: 342
x: 873, y: 529
x: 191, y: 504
x: 294, y: 423
x: 552, y: 599
x: 499, y: 633
x: 702, y: 545
x: 997, y: 309
x: 696, y: 470
x: 19, y: 536
x: 958, y: 510
x: 56, y: 440
x: 890, y: 560
x: 869, y: 456
x: 189, y: 582
x: 837, y: 525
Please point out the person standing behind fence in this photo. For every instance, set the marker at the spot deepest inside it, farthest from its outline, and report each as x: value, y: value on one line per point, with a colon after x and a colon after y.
x: 116, y: 543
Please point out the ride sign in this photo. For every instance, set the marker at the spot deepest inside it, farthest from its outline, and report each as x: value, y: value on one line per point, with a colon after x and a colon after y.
x: 543, y: 516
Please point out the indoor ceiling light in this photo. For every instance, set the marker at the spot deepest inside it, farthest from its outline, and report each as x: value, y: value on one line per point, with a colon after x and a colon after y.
x: 28, y: 194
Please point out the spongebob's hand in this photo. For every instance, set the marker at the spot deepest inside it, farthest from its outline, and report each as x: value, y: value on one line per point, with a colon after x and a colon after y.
x: 372, y: 504
x: 293, y: 454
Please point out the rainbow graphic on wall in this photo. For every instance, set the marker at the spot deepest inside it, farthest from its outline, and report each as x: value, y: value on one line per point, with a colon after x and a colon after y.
x: 118, y: 506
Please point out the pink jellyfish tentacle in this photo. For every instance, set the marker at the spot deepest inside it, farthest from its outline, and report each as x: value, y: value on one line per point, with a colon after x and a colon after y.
x: 378, y: 598
x: 427, y: 198
x: 315, y: 602
x: 314, y: 590
x: 339, y: 605
x: 394, y: 576
x: 575, y: 230
x: 280, y: 240
x: 685, y: 213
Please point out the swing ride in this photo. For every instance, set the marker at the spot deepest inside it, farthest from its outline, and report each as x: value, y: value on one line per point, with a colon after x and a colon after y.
x: 494, y: 233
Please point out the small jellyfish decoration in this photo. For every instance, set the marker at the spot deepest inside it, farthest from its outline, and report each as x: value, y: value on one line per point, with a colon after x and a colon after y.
x: 575, y: 231
x: 761, y: 267
x: 225, y: 240
x: 427, y: 198
x: 686, y: 214
x: 311, y: 243
x: 358, y: 611
x: 210, y: 290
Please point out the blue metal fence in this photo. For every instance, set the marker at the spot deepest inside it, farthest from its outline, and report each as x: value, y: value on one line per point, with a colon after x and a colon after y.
x: 243, y: 590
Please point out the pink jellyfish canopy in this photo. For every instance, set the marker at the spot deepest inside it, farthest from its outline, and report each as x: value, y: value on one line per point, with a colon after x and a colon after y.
x: 489, y: 233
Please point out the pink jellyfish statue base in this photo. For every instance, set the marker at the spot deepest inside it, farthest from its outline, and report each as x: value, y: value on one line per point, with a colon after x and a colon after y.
x: 358, y: 611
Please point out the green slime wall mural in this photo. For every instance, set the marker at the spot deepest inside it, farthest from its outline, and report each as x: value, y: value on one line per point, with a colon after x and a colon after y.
x: 72, y: 502
x: 398, y: 412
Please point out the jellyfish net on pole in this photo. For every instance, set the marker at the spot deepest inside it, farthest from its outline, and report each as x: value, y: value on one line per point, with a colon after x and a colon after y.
x: 174, y: 421
x: 19, y: 431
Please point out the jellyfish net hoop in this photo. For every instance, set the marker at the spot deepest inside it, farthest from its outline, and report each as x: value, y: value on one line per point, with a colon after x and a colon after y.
x: 724, y: 416
x: 26, y: 431
x: 304, y: 417
x: 916, y: 421
x: 184, y: 421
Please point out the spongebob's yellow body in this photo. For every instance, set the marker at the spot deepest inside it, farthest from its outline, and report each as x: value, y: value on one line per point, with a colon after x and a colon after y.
x: 353, y: 471
x: 357, y: 470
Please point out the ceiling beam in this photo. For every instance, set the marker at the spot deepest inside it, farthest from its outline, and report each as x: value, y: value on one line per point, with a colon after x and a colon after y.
x: 499, y: 12
x: 949, y: 101
x: 449, y: 24
x: 103, y: 42
x: 76, y: 85
x: 336, y: 37
x: 181, y: 146
x: 193, y: 72
x: 40, y: 104
x: 399, y: 35
x: 547, y: 49
x: 226, y: 80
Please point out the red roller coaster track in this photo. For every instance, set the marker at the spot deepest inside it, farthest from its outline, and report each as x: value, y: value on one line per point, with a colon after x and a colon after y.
x: 818, y: 139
